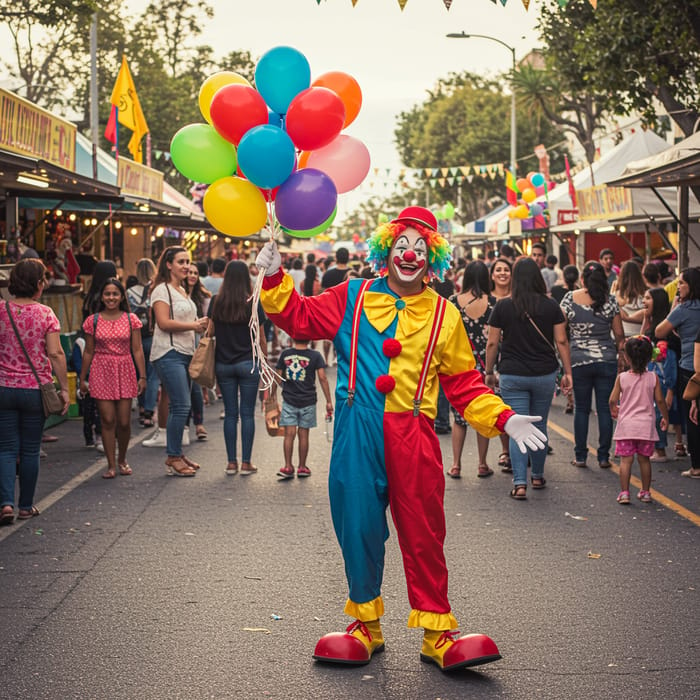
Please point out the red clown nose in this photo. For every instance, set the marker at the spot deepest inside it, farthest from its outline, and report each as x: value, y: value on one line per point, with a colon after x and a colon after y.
x: 409, y: 256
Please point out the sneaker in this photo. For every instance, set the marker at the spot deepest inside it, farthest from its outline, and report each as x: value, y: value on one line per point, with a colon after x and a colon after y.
x: 186, y: 436
x: 623, y: 498
x: 286, y: 473
x: 303, y: 471
x: 222, y: 415
x: 158, y: 439
x: 90, y: 444
x: 644, y: 496
x: 99, y: 446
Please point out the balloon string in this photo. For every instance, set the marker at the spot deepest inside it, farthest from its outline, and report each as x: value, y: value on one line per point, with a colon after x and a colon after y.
x: 268, y: 376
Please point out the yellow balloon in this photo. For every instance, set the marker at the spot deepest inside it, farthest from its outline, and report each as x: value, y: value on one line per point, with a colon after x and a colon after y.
x: 212, y: 84
x: 529, y: 195
x: 521, y: 211
x: 235, y: 206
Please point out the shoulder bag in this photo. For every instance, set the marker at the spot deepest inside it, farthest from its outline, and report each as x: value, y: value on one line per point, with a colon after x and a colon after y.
x: 51, y: 400
x: 560, y: 371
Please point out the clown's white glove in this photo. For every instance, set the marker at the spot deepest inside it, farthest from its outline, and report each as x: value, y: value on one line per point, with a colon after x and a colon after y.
x: 269, y: 259
x: 525, y: 434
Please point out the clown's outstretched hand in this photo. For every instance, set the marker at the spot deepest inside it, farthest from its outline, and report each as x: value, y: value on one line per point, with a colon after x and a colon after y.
x: 269, y: 258
x: 525, y: 434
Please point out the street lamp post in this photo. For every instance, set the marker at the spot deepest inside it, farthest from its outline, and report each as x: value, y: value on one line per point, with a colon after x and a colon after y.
x: 513, y: 131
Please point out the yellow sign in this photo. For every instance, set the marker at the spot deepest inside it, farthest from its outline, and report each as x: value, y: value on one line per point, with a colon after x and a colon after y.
x: 603, y: 202
x: 32, y: 131
x: 134, y: 178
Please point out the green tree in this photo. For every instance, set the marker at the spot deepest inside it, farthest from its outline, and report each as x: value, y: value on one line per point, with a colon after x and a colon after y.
x: 466, y: 120
x: 629, y: 54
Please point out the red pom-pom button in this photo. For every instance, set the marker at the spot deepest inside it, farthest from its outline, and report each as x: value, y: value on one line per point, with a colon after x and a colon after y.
x: 391, y: 347
x: 385, y: 383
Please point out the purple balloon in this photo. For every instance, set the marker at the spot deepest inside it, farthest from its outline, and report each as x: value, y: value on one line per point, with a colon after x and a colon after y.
x: 305, y: 199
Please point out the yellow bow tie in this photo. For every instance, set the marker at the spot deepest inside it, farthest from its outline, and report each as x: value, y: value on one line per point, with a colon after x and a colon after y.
x: 414, y: 311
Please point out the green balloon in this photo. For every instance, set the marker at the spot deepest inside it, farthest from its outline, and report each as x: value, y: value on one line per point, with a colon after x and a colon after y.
x: 201, y: 155
x: 310, y: 233
x: 448, y: 211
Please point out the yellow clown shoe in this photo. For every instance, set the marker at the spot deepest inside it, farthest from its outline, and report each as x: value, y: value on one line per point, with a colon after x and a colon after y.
x: 354, y: 647
x: 450, y: 654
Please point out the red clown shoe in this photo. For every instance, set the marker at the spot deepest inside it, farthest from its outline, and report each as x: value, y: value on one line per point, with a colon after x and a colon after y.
x: 450, y: 654
x: 353, y: 647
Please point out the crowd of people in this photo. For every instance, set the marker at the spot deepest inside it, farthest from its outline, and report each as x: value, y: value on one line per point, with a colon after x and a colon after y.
x: 535, y: 330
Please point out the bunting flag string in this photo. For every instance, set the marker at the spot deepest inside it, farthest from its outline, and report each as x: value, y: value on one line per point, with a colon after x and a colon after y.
x: 448, y: 3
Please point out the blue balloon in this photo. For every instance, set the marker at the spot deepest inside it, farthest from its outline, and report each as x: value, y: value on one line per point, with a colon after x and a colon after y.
x: 275, y: 119
x: 280, y: 75
x: 537, y: 180
x: 266, y: 156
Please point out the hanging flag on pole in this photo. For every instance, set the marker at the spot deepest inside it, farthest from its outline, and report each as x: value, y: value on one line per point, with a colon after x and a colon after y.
x: 572, y: 189
x: 512, y: 191
x: 128, y: 111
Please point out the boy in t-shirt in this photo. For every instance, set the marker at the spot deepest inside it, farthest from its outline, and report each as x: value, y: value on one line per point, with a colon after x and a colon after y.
x: 299, y: 366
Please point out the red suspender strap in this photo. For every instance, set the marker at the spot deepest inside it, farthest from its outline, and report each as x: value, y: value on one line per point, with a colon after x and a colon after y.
x: 352, y: 371
x: 434, y: 332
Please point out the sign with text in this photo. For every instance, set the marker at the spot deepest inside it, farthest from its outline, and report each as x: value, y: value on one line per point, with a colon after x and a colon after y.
x: 32, y: 131
x: 603, y: 202
x: 140, y: 180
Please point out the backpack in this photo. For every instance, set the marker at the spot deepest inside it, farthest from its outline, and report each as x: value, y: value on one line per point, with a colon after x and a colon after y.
x: 141, y: 308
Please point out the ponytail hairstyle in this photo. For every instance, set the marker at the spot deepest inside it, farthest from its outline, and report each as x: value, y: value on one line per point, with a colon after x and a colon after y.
x: 596, y: 283
x: 570, y: 275
x: 639, y: 350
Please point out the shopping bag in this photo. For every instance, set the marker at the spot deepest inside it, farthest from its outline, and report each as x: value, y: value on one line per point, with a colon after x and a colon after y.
x: 272, y: 416
x: 202, y: 364
x: 51, y: 400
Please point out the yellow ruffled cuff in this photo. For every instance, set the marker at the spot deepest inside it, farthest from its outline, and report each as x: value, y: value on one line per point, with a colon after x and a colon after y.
x: 365, y: 612
x: 432, y: 620
x: 275, y: 300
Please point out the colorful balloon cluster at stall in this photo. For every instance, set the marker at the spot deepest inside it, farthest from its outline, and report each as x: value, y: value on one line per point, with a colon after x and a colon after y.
x: 530, y: 188
x: 276, y: 147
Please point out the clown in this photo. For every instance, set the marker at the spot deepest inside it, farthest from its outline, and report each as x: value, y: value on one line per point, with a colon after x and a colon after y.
x: 395, y: 339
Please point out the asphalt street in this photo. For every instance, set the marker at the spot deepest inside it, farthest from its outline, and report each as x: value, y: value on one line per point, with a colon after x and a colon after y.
x: 155, y: 587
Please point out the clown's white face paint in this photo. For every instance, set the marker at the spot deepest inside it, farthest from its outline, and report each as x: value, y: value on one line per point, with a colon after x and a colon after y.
x: 408, y: 263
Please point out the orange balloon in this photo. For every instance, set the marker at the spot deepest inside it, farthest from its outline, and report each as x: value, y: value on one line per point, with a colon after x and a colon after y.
x: 302, y: 159
x: 522, y: 183
x: 347, y: 88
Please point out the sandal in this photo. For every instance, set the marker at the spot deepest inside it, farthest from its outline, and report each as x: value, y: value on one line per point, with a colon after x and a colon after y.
x: 680, y: 450
x: 623, y: 498
x: 125, y: 469
x: 483, y: 471
x: 201, y: 432
x: 455, y: 471
x: 232, y: 468
x: 178, y: 467
x: 189, y: 462
x: 148, y: 423
x: 644, y: 496
x: 504, y: 463
x: 110, y: 474
x: 538, y: 482
x: 519, y: 492
x: 26, y: 514
x: 7, y: 516
x: 691, y: 473
x: 248, y: 468
x: 286, y: 472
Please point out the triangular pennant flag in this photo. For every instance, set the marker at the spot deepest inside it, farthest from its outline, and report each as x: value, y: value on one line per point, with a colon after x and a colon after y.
x: 441, y: 181
x: 402, y: 4
x: 428, y: 172
x: 594, y: 4
x: 454, y: 171
x: 432, y: 182
x: 452, y: 181
x: 354, y: 2
x: 465, y: 169
x: 444, y: 172
x: 447, y: 3
x: 526, y: 4
x: 470, y: 178
x: 435, y: 172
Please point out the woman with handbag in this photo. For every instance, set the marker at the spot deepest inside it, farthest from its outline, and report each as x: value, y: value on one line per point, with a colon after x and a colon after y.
x: 176, y: 323
x: 236, y: 375
x: 527, y: 325
x: 112, y: 345
x: 29, y: 350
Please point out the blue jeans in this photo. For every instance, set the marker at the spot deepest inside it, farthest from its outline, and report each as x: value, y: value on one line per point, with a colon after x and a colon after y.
x: 21, y: 428
x: 530, y: 396
x: 239, y: 390
x: 172, y: 370
x: 197, y: 401
x: 598, y: 376
x: 148, y: 399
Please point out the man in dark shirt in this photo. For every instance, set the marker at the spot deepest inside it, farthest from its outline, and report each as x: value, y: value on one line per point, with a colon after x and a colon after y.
x: 337, y: 274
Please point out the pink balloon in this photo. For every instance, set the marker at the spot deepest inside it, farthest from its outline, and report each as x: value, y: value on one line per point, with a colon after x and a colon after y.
x: 345, y: 160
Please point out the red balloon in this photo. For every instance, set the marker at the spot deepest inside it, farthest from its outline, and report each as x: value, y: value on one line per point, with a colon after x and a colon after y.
x: 314, y: 118
x: 235, y: 109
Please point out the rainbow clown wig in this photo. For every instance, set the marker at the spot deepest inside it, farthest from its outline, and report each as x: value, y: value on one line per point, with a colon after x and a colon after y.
x: 423, y: 221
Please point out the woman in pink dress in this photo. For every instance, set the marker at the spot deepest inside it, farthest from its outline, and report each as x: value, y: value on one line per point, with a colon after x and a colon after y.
x: 112, y: 345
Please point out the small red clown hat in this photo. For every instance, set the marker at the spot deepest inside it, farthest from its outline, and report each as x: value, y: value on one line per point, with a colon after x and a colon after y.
x: 418, y: 215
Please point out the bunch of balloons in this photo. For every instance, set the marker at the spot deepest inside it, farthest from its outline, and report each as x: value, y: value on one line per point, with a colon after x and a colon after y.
x: 276, y: 146
x: 530, y: 188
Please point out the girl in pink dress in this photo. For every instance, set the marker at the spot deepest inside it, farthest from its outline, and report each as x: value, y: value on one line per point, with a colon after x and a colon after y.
x: 112, y: 345
x: 636, y: 390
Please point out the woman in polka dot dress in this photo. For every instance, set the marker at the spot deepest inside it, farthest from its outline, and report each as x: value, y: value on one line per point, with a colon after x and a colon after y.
x: 112, y: 345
